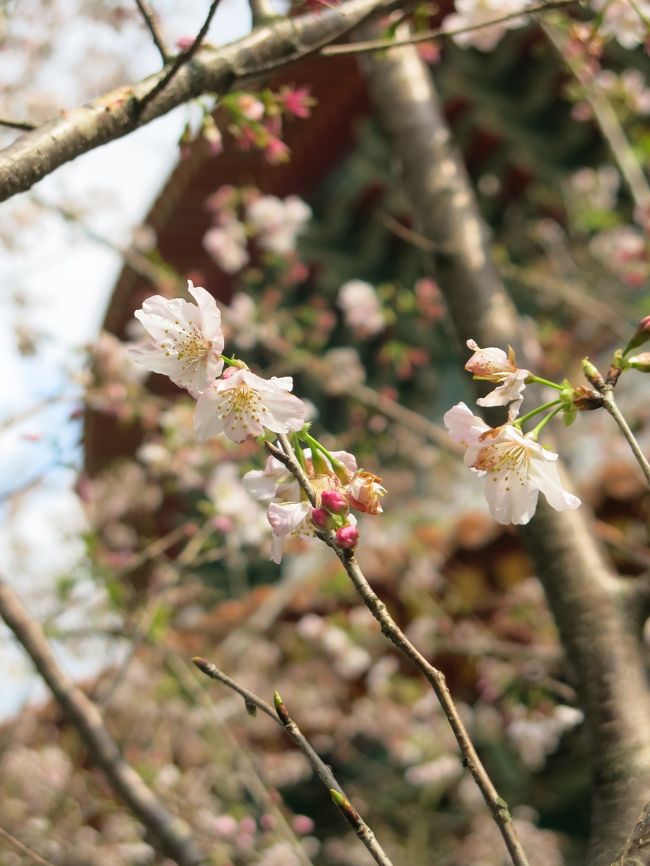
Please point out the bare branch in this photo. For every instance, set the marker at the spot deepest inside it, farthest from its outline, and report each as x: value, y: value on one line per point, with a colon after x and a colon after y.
x: 28, y: 852
x: 17, y: 124
x: 439, y: 32
x: 210, y: 70
x: 151, y: 22
x: 324, y: 773
x: 610, y: 404
x: 181, y: 59
x: 166, y: 833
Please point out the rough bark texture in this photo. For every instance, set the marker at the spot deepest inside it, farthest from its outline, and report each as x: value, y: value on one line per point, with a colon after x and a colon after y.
x: 636, y: 851
x: 595, y: 627
x: 211, y: 70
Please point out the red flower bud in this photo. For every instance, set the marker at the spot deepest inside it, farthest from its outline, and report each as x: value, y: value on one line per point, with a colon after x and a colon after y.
x: 321, y: 518
x: 334, y: 501
x: 347, y: 537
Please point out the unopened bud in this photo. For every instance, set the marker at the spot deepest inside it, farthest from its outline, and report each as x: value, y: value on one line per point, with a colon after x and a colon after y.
x: 640, y: 362
x: 334, y: 501
x: 585, y: 399
x: 347, y: 537
x: 640, y: 336
x: 592, y: 374
x: 321, y: 518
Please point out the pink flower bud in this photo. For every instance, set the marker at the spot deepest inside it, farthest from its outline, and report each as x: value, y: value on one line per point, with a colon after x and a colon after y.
x: 640, y: 336
x: 321, y: 518
x: 640, y: 362
x: 334, y: 501
x: 347, y: 537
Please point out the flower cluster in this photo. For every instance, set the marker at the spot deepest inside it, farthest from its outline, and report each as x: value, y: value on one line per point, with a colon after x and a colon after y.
x: 186, y: 344
x: 273, y: 223
x: 337, y: 484
x: 514, y: 466
x: 257, y: 118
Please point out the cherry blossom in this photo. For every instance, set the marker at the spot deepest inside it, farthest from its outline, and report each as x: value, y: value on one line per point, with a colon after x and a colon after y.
x: 186, y: 342
x: 361, y: 308
x: 514, y: 466
x: 273, y: 482
x: 470, y: 13
x: 226, y: 244
x: 242, y: 404
x: 493, y: 365
x: 277, y: 223
x: 286, y: 518
x: 624, y: 21
x: 365, y: 492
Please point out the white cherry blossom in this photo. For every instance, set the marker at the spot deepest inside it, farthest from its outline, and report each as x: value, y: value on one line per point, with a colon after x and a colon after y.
x: 277, y: 222
x: 515, y: 467
x: 624, y: 21
x: 361, y: 308
x: 470, y: 13
x: 242, y: 404
x: 286, y: 518
x: 227, y: 246
x: 493, y: 365
x: 186, y: 339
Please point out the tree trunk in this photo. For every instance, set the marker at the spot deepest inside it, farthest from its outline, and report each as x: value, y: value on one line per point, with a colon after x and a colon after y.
x: 585, y: 597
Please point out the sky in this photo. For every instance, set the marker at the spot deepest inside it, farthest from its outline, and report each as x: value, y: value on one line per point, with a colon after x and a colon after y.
x: 57, y: 282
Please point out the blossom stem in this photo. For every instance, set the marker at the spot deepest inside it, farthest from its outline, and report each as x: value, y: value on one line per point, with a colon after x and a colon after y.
x: 536, y: 411
x: 610, y: 404
x: 547, y: 382
x: 233, y: 362
x: 319, y: 447
x: 536, y: 431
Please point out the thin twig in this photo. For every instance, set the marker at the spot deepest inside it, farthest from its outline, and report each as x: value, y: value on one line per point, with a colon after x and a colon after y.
x: 607, y: 120
x: 189, y: 682
x: 22, y: 125
x: 24, y: 849
x: 436, y: 679
x: 163, y: 828
x: 607, y: 393
x: 180, y: 59
x: 151, y: 22
x: 324, y: 773
x: 261, y: 11
x: 439, y: 32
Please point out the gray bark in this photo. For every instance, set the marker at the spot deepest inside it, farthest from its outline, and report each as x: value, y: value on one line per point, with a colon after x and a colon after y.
x: 584, y: 595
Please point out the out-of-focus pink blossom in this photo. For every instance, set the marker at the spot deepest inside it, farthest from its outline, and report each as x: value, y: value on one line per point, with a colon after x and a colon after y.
x: 226, y: 244
x: 623, y: 21
x: 296, y: 101
x: 470, y: 13
x: 361, y: 308
x: 249, y: 106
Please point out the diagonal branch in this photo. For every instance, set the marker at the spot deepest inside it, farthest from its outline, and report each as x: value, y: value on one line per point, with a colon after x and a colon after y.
x: 151, y: 23
x: 210, y: 70
x: 281, y: 715
x: 165, y: 831
x: 181, y: 59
